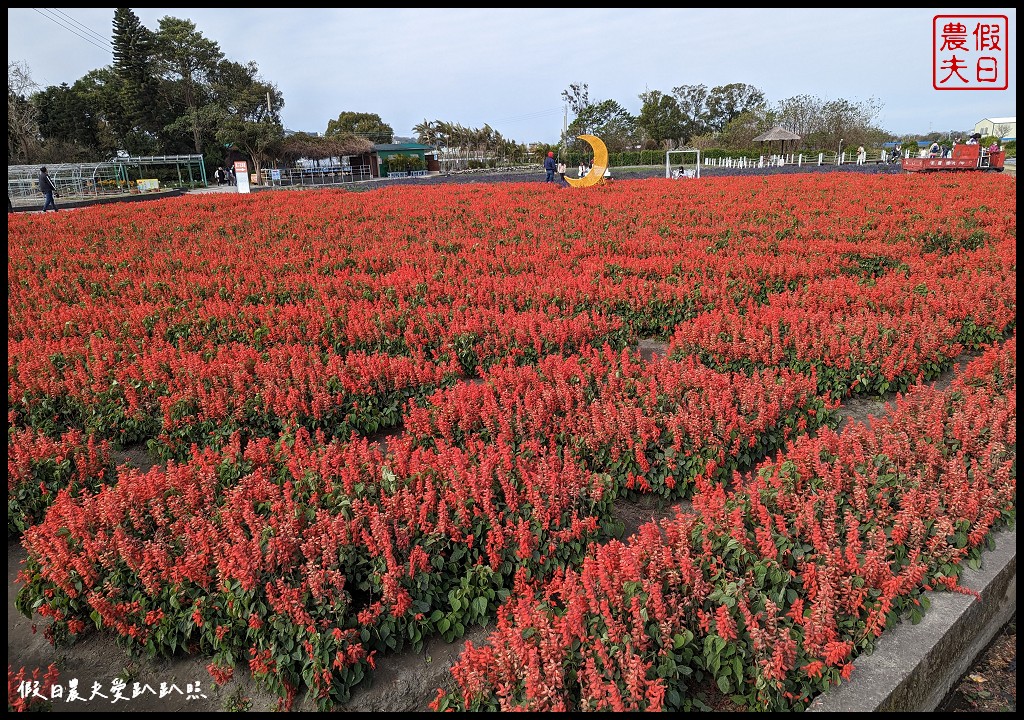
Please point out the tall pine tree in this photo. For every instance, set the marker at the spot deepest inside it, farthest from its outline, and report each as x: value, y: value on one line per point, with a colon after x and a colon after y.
x: 137, y: 125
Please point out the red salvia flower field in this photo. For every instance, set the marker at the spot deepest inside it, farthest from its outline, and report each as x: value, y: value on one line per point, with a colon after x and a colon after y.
x: 388, y: 416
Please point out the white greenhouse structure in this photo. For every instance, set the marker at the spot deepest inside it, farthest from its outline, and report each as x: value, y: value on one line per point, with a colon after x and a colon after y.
x: 123, y: 175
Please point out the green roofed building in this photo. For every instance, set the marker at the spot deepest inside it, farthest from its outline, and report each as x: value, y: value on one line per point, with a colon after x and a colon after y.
x: 403, y: 159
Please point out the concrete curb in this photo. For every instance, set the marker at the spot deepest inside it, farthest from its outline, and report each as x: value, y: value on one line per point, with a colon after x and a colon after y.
x: 914, y: 667
x: 73, y: 203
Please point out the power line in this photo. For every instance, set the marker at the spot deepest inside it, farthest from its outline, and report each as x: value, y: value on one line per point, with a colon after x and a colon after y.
x: 107, y: 47
x: 92, y: 32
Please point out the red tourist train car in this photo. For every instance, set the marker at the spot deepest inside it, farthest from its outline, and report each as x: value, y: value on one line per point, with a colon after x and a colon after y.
x: 965, y: 157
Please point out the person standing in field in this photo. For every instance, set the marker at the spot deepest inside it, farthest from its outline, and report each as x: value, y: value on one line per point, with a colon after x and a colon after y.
x: 561, y: 172
x: 549, y: 167
x: 48, y: 190
x: 862, y: 155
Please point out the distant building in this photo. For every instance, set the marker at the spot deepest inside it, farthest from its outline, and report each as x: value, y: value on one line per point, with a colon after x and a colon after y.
x: 1003, y: 127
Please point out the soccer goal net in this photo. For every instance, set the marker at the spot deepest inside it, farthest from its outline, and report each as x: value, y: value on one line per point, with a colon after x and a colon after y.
x: 683, y: 163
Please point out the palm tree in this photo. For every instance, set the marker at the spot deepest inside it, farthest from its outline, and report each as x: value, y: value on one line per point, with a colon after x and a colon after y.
x: 426, y: 132
x: 444, y: 132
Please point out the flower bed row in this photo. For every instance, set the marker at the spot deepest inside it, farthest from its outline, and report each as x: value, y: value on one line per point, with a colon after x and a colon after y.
x: 38, y: 468
x: 768, y: 591
x: 652, y: 426
x: 335, y: 548
x: 858, y: 337
x: 179, y: 397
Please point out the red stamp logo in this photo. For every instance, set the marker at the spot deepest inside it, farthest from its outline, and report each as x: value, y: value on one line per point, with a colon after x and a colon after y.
x: 970, y: 52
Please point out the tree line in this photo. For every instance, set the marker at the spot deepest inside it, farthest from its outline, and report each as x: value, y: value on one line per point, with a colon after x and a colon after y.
x: 171, y: 91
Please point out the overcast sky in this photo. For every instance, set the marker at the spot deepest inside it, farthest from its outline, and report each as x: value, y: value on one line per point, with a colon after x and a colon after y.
x: 508, y: 67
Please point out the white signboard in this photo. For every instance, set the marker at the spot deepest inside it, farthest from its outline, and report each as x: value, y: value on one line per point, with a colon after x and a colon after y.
x: 242, y: 176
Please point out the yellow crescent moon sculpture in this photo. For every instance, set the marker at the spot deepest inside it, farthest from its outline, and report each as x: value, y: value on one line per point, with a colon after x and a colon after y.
x: 596, y: 174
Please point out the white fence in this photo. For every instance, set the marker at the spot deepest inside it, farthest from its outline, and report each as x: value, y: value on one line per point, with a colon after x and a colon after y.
x: 800, y: 159
x: 315, y: 177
